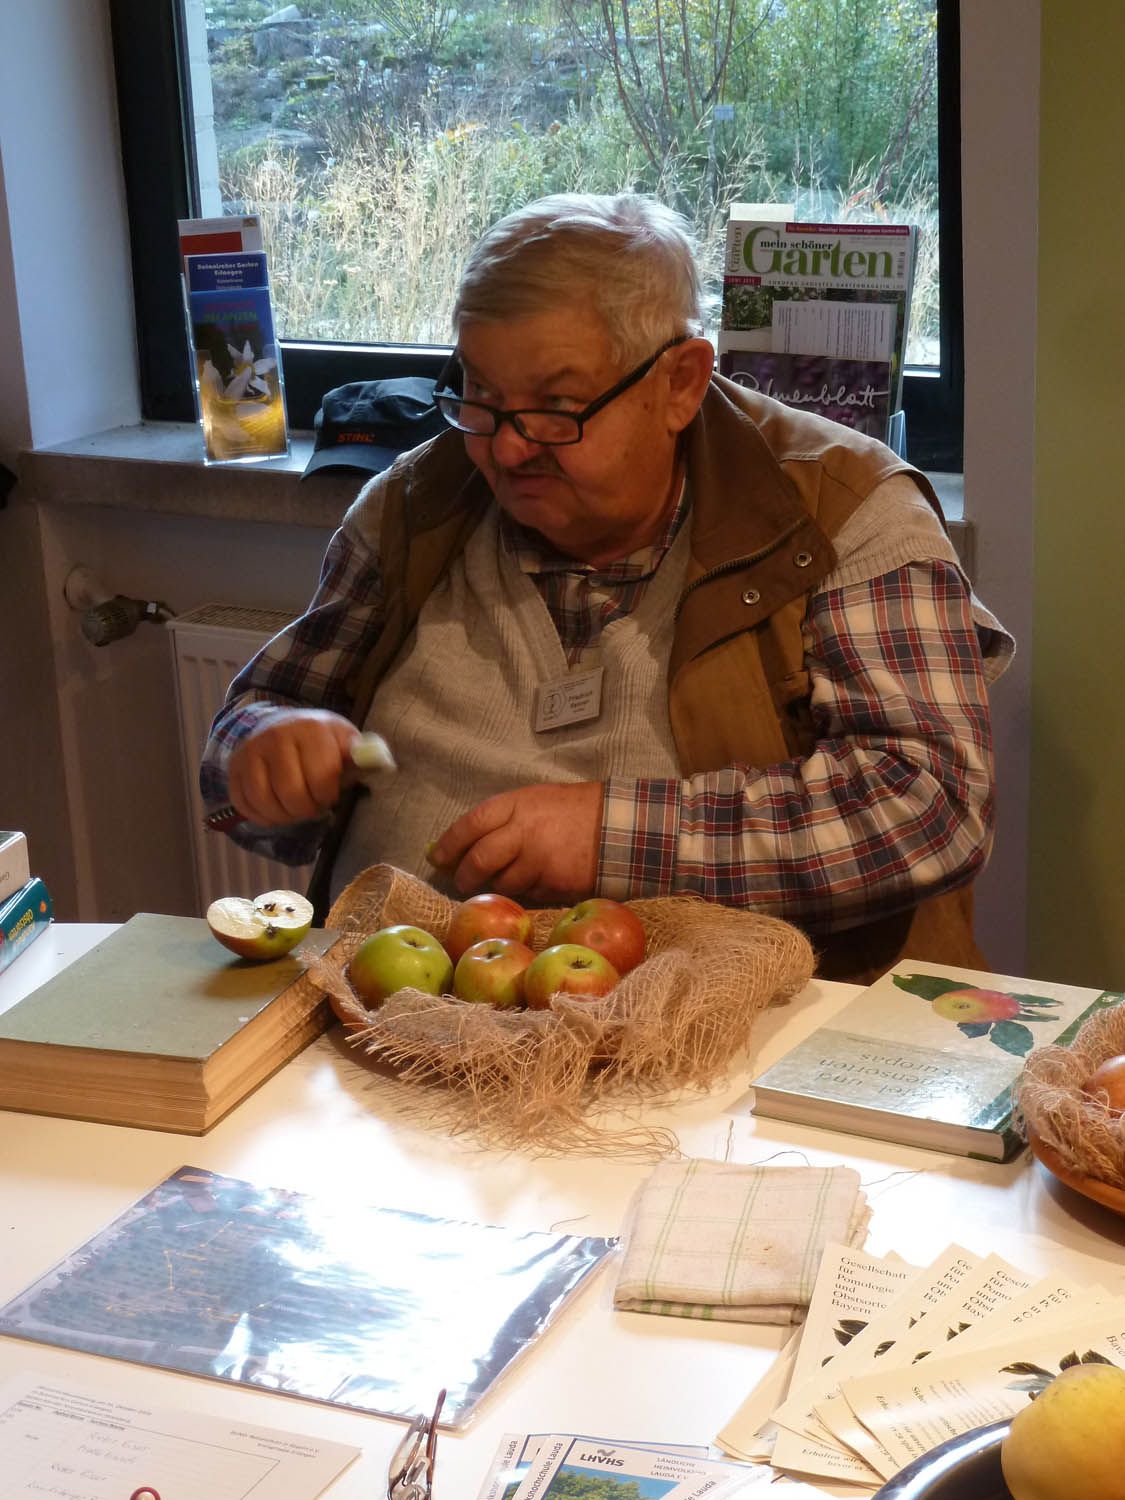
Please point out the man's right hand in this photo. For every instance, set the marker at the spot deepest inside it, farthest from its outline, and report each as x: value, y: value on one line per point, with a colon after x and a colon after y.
x: 292, y: 768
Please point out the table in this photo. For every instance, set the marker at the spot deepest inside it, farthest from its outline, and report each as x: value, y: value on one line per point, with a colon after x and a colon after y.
x: 326, y: 1125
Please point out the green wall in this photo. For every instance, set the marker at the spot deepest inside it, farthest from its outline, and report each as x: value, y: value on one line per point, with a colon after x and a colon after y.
x: 1077, y: 825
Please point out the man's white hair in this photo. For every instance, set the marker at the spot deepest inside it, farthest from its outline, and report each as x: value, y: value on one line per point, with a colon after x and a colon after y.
x: 629, y: 257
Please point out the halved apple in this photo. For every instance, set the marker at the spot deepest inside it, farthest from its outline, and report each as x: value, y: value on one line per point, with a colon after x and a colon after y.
x: 267, y: 927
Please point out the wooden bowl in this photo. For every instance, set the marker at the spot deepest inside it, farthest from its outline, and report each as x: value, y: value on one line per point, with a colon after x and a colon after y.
x: 1090, y: 1187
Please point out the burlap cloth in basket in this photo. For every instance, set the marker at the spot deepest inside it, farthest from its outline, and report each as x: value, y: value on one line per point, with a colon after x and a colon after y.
x: 536, y: 1078
x: 1089, y: 1139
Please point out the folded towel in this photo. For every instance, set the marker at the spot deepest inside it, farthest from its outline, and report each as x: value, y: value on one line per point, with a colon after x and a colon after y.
x: 743, y: 1244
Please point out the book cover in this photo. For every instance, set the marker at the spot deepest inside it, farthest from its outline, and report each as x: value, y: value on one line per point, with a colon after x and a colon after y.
x: 15, y: 869
x: 855, y: 392
x: 566, y: 1466
x: 335, y: 1300
x: 24, y: 916
x: 815, y: 315
x: 926, y: 1056
x: 240, y: 394
x: 157, y: 1026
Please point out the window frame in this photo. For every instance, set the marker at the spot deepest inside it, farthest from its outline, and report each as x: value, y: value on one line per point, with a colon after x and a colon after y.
x: 157, y: 151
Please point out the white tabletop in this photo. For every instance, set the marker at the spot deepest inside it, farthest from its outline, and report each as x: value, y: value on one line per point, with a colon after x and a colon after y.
x: 326, y: 1125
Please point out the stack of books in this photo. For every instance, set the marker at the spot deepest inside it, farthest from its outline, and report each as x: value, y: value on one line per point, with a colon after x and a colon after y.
x: 159, y: 1027
x: 25, y: 902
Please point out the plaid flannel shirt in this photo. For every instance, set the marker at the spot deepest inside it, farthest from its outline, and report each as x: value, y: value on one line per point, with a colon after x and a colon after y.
x: 894, y: 801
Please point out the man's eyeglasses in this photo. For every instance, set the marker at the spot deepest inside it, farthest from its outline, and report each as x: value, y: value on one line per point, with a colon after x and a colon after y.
x: 555, y: 429
x: 411, y: 1472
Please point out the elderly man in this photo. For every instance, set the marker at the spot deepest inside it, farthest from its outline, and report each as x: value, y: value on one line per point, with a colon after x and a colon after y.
x: 632, y: 629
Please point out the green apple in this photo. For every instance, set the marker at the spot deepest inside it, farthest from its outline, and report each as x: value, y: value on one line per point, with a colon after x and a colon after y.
x: 1070, y: 1441
x: 399, y: 958
x: 268, y: 927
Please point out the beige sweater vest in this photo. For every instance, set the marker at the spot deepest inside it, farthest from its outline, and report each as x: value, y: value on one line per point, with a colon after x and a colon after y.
x: 458, y: 704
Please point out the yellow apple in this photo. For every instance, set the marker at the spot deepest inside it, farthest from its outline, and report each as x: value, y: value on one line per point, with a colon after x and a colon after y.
x: 1070, y: 1441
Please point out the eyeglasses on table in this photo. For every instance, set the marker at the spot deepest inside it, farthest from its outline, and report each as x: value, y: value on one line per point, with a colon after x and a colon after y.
x: 410, y: 1475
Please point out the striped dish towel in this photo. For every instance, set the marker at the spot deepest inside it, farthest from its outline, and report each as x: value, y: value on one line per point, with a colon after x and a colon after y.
x: 742, y: 1244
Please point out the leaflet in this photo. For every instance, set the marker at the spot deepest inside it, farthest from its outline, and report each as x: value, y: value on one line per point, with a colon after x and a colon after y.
x: 877, y: 1338
x: 564, y: 1462
x: 518, y: 1451
x: 1049, y: 1302
x: 914, y: 1409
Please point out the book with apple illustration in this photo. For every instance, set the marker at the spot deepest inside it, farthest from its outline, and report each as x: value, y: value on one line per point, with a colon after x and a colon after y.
x: 926, y: 1056
x: 158, y: 1026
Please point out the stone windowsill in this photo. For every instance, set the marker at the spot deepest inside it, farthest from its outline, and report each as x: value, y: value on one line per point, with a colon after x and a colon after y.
x: 157, y: 467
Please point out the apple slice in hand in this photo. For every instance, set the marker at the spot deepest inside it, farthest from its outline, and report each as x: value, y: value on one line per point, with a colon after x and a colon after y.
x: 267, y: 927
x: 370, y: 752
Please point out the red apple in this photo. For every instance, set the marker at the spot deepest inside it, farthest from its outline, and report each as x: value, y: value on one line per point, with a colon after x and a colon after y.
x: 568, y: 969
x: 491, y: 972
x: 486, y: 916
x: 608, y: 927
x: 399, y: 958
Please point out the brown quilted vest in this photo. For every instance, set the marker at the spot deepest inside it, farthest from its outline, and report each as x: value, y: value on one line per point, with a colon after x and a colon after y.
x: 769, y: 489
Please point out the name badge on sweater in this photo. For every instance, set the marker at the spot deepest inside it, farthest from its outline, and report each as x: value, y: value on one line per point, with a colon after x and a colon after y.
x: 568, y: 700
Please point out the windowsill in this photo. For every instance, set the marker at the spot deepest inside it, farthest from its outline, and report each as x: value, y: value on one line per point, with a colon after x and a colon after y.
x: 951, y: 492
x: 158, y: 467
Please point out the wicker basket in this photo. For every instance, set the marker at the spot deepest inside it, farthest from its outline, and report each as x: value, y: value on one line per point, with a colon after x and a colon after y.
x: 537, y: 1078
x: 1088, y: 1139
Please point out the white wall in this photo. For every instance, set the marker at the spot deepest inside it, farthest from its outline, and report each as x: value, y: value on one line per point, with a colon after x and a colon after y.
x: 67, y: 323
x: 89, y: 757
x: 117, y: 708
x: 70, y: 257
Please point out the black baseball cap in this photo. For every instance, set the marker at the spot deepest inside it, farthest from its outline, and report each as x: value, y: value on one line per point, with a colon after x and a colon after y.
x: 367, y: 424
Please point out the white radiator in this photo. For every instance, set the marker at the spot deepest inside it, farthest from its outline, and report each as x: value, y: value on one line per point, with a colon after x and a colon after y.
x: 210, y: 645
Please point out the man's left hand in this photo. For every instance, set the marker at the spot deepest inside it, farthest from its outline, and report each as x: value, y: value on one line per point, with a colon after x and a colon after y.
x: 539, y: 842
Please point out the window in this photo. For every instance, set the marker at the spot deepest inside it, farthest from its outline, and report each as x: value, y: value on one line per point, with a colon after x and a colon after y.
x: 377, y: 138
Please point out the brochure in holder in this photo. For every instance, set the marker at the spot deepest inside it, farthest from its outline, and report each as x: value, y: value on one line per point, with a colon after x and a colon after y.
x: 240, y: 394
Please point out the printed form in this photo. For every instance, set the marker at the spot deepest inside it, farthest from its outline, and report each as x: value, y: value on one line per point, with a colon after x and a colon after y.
x: 64, y: 1442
